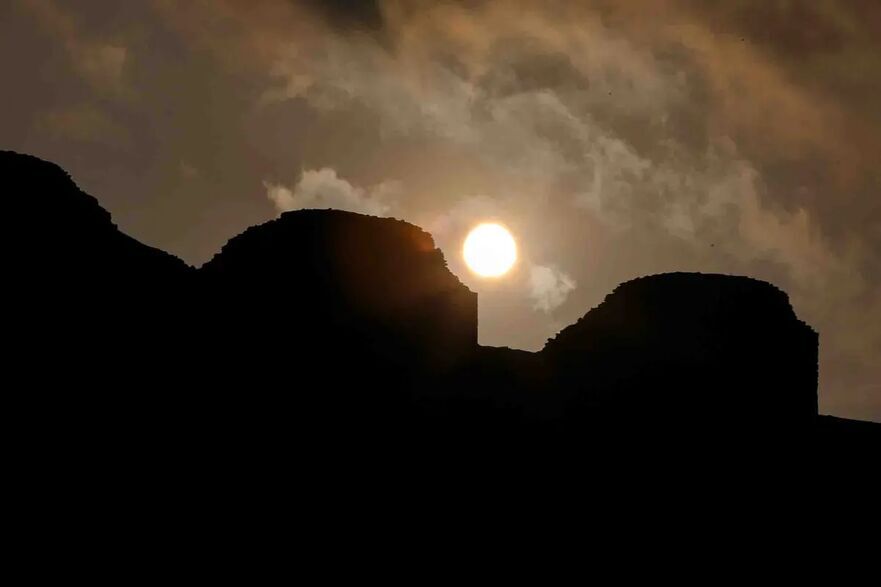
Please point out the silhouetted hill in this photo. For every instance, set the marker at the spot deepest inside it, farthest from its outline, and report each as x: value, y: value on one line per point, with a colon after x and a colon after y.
x: 330, y: 317
x: 351, y: 329
x: 690, y: 345
x: 62, y: 234
x: 88, y: 307
x: 339, y: 280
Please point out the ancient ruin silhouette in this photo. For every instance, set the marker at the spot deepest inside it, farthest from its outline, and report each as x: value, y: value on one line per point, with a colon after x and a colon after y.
x: 350, y: 329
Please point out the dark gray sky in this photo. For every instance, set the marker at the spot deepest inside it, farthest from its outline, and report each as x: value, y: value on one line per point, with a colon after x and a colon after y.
x: 737, y: 137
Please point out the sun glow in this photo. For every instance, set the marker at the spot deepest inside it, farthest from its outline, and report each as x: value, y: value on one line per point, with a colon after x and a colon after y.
x: 490, y: 250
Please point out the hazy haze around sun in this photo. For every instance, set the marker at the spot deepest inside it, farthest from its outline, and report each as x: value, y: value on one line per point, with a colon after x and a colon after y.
x: 490, y: 250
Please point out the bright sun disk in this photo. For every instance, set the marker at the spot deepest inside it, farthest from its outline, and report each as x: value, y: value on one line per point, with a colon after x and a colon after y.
x: 490, y: 250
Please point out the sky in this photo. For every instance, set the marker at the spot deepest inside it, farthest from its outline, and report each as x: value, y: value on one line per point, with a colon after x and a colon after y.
x: 614, y: 139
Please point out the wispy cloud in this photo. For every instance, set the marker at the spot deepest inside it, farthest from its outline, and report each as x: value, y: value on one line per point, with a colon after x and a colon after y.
x: 323, y: 188
x: 549, y: 287
x: 100, y: 62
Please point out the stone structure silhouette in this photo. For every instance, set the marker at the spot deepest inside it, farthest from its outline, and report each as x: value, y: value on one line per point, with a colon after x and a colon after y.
x: 717, y: 347
x: 348, y: 328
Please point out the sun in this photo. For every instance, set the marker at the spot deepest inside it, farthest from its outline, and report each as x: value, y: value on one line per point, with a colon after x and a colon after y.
x: 490, y: 250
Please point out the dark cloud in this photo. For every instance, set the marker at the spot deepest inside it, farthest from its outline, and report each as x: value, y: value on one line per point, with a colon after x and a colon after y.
x: 350, y: 14
x: 520, y: 68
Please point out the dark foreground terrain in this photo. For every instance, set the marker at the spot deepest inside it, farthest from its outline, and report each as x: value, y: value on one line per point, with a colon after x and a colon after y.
x: 331, y: 350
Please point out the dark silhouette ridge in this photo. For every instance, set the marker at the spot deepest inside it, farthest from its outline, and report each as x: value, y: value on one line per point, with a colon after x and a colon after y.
x: 350, y: 332
x: 381, y: 282
x: 89, y: 307
x: 718, y: 347
x: 63, y: 233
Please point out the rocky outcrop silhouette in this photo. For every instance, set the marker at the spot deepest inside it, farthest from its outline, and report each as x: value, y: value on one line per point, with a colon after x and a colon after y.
x: 62, y: 235
x: 317, y: 274
x: 89, y: 309
x: 333, y: 325
x: 709, y: 347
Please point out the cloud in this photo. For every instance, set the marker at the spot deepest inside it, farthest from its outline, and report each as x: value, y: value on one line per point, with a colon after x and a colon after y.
x: 100, y: 63
x: 461, y: 216
x: 188, y: 172
x: 549, y: 287
x: 349, y: 14
x: 83, y: 123
x: 322, y: 188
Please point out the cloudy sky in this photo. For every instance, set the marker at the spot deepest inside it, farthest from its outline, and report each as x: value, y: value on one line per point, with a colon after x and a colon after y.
x: 615, y: 139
